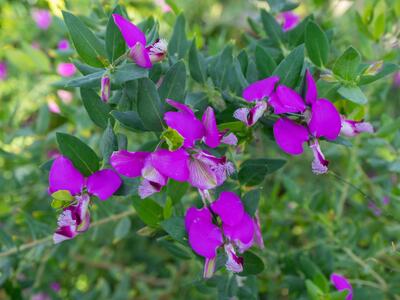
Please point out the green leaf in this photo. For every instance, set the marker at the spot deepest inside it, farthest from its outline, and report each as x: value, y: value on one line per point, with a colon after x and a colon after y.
x: 91, y: 80
x: 149, y: 211
x: 176, y: 190
x: 108, y: 143
x: 178, y: 43
x: 346, y: 66
x: 88, y: 46
x: 149, y: 105
x: 353, y: 93
x: 98, y: 111
x: 129, y: 119
x: 264, y: 62
x: 252, y: 264
x: 175, y: 249
x: 197, y: 66
x: 84, y: 68
x: 272, y: 28
x: 342, y: 295
x: 127, y: 72
x: 81, y: 155
x: 115, y: 43
x: 173, y: 139
x: 253, y: 171
x: 313, y: 291
x: 122, y: 229
x: 175, y: 227
x: 317, y: 44
x: 290, y: 67
x: 174, y: 83
x: 250, y: 201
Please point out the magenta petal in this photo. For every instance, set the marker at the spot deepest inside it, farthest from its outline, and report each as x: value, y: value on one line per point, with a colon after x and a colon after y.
x: 229, y: 207
x: 290, y: 136
x: 66, y: 69
x: 188, y: 127
x: 173, y: 164
x: 129, y: 164
x: 195, y: 214
x: 311, y: 89
x: 130, y: 32
x: 180, y: 106
x: 233, y: 263
x: 211, y: 136
x: 202, y: 174
x: 205, y: 238
x: 148, y: 188
x: 140, y: 56
x: 64, y: 176
x: 260, y: 89
x: 341, y: 283
x: 103, y: 184
x: 325, y: 120
x: 241, y: 233
x: 286, y: 100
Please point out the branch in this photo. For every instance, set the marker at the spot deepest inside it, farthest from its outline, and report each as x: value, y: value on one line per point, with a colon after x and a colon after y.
x: 49, y: 238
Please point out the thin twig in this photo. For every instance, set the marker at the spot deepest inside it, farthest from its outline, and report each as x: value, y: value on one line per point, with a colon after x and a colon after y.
x: 49, y: 238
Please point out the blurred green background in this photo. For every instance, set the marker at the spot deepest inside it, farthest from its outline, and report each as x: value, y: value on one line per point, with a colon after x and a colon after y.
x: 307, y: 221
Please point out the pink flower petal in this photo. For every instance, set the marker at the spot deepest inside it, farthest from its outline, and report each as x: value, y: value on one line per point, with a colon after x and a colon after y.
x: 260, y: 89
x: 103, y: 184
x: 129, y: 164
x: 140, y: 56
x: 173, y: 164
x: 130, y: 32
x: 319, y: 164
x: 241, y: 233
x: 325, y: 120
x: 66, y: 69
x: 286, y: 100
x: 205, y: 238
x: 341, y: 283
x: 290, y: 136
x: 229, y: 207
x: 311, y: 89
x: 64, y: 176
x: 211, y: 136
x: 195, y: 214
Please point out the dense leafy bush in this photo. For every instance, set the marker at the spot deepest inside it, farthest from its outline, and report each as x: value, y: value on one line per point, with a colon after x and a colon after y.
x: 245, y: 151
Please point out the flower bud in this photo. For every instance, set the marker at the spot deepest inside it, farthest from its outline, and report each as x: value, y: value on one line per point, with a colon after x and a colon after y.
x: 105, y: 88
x: 374, y: 68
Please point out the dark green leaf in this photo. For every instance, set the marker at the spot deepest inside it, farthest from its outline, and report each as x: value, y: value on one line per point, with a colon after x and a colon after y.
x: 253, y: 171
x: 388, y: 68
x: 108, y: 143
x: 250, y: 201
x: 178, y: 43
x: 313, y: 291
x: 115, y: 43
x: 175, y: 249
x: 197, y: 66
x: 175, y: 227
x: 98, y: 111
x: 127, y: 72
x: 252, y: 264
x: 84, y: 68
x: 81, y: 155
x: 317, y: 44
x: 290, y: 68
x: 346, y: 66
x: 264, y: 62
x: 149, y: 211
x: 88, y: 46
x: 122, y: 229
x: 176, y: 190
x: 149, y: 105
x: 129, y: 119
x: 91, y: 80
x: 174, y: 83
x: 272, y: 28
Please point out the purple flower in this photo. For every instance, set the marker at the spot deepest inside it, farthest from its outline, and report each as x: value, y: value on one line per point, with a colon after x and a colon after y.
x: 341, y: 283
x: 63, y: 45
x: 396, y: 79
x: 65, y: 96
x: 3, y: 70
x: 288, y: 19
x: 40, y: 296
x: 66, y: 69
x: 53, y: 106
x: 55, y: 286
x: 164, y: 6
x: 42, y: 18
x: 65, y: 177
x: 105, y: 88
x: 352, y: 128
x: 320, y: 115
x: 260, y: 92
x: 143, y: 55
x: 385, y: 200
x: 240, y: 230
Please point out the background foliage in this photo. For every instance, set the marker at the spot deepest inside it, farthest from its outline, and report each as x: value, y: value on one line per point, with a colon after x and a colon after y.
x: 312, y: 225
